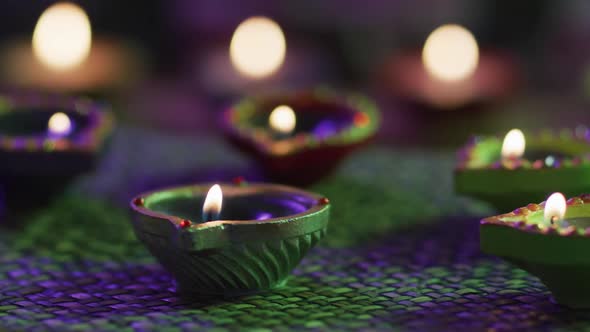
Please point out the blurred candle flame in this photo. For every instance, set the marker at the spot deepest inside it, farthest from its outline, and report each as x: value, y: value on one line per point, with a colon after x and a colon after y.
x: 59, y: 124
x: 282, y: 119
x: 514, y: 144
x: 450, y: 53
x: 258, y: 47
x: 555, y: 208
x: 212, y: 205
x: 62, y: 36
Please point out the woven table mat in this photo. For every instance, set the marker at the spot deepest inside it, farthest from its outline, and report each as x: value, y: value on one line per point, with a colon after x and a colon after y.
x: 394, y: 259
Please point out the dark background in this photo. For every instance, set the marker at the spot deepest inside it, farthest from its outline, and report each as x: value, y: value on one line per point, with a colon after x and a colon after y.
x: 344, y: 45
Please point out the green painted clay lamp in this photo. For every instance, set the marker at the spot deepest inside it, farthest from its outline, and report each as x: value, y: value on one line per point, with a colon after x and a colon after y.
x: 300, y: 138
x: 250, y: 244
x: 506, y: 174
x: 45, y: 141
x: 549, y: 240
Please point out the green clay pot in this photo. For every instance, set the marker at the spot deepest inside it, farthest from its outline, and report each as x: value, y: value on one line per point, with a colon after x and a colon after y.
x: 480, y: 173
x: 557, y: 255
x: 237, y: 254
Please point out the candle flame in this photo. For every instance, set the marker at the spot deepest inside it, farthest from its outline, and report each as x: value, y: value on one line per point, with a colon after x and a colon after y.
x: 258, y: 47
x: 450, y: 53
x: 282, y: 119
x: 59, y: 124
x: 62, y: 36
x: 212, y: 205
x: 514, y: 144
x: 555, y: 207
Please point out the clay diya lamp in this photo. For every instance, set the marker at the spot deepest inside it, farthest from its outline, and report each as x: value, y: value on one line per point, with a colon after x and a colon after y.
x: 549, y: 240
x: 250, y: 244
x: 515, y: 171
x: 450, y: 73
x: 46, y: 141
x: 259, y: 58
x: 69, y: 57
x: 300, y: 138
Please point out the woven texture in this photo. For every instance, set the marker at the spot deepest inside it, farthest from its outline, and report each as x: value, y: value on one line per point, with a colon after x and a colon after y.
x: 395, y: 258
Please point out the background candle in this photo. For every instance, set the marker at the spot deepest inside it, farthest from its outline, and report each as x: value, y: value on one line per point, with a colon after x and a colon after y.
x: 503, y: 173
x: 450, y: 54
x: 514, y: 144
x: 258, y: 47
x: 63, y: 56
x: 47, y: 141
x: 450, y: 72
x: 258, y: 58
x: 59, y: 125
x: 282, y: 120
x: 306, y: 140
x: 514, y: 148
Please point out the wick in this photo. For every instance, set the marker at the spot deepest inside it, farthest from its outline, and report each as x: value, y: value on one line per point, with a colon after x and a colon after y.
x: 210, y: 216
x: 510, y: 160
x: 511, y: 157
x: 281, y: 135
x: 554, y: 219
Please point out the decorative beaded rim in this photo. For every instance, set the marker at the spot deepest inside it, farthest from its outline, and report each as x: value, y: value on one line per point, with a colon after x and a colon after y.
x: 364, y: 125
x: 90, y: 138
x: 470, y: 157
x: 519, y: 219
x: 138, y: 204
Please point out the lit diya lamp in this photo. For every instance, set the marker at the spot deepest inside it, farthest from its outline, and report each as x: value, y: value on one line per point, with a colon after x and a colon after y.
x: 550, y: 240
x: 46, y: 140
x: 450, y: 72
x: 63, y: 57
x: 300, y: 138
x: 258, y: 47
x: 246, y: 238
x: 257, y: 60
x: 514, y: 170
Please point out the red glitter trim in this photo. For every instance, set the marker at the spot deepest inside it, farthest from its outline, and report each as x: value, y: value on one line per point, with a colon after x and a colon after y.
x: 138, y: 201
x: 239, y: 180
x: 361, y: 119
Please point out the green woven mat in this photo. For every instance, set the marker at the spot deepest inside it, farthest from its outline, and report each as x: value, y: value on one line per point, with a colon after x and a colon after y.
x: 395, y: 258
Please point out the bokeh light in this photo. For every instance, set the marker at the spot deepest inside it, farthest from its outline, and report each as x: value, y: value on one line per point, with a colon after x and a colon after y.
x: 258, y: 47
x: 282, y: 119
x: 62, y: 38
x: 450, y: 53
